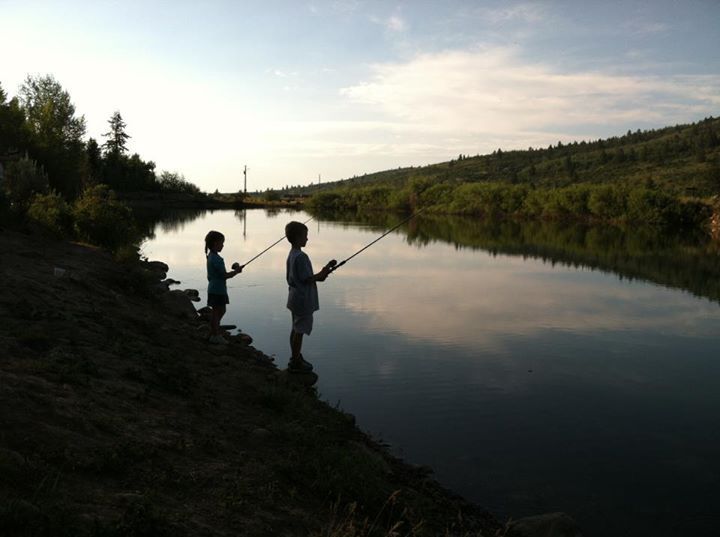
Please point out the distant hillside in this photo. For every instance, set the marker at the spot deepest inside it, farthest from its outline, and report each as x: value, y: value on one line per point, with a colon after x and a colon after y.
x: 683, y: 160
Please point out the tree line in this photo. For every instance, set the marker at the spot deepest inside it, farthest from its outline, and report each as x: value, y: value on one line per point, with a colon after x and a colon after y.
x: 42, y: 148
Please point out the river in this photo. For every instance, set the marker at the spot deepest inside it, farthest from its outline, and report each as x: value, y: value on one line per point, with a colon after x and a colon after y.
x: 535, y: 367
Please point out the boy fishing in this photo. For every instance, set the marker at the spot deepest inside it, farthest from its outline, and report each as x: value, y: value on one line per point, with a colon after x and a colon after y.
x: 302, y: 293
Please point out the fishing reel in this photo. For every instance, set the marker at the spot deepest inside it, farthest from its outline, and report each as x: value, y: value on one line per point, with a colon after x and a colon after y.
x: 333, y: 265
x: 236, y: 266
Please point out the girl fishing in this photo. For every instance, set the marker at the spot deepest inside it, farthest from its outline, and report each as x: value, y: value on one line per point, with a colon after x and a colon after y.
x: 217, y: 286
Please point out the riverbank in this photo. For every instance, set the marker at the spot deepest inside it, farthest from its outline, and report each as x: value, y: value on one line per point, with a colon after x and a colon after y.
x: 159, y: 200
x: 119, y: 419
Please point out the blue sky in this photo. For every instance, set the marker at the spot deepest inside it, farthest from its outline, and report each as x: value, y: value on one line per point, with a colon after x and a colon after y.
x: 295, y: 89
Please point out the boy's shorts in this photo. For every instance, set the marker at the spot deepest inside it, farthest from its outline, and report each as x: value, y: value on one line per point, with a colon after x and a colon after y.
x: 215, y: 300
x: 302, y: 324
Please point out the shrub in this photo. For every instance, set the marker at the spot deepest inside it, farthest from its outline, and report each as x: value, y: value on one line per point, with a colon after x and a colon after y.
x: 649, y: 206
x: 438, y: 194
x: 173, y: 182
x: 51, y: 213
x: 326, y: 201
x: 607, y: 202
x: 102, y: 220
x: 23, y: 179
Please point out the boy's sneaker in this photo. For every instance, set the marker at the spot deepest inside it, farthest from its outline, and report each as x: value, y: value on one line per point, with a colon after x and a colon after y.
x: 217, y: 340
x: 299, y: 365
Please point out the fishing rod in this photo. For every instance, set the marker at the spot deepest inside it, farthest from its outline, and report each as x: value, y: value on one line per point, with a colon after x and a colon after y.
x: 334, y: 265
x: 266, y: 249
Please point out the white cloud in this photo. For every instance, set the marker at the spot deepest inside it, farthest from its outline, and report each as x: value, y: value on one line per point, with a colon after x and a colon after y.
x: 492, y: 90
x: 645, y: 27
x: 346, y: 6
x: 395, y: 24
x: 531, y: 13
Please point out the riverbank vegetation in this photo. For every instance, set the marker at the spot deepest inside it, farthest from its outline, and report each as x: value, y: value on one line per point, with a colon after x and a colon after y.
x: 660, y: 177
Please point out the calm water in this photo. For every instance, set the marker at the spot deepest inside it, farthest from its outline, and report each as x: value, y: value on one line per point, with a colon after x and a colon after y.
x: 534, y: 368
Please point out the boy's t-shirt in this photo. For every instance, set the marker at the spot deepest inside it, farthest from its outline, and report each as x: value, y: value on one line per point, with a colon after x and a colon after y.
x: 217, y: 283
x: 302, y: 297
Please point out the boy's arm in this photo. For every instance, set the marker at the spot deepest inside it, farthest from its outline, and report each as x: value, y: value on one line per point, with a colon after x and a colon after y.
x: 320, y: 276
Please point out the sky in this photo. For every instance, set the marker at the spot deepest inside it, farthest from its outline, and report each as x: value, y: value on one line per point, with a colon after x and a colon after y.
x: 307, y: 90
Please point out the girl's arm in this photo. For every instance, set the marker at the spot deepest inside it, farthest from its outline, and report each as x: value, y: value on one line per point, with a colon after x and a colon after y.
x: 237, y: 269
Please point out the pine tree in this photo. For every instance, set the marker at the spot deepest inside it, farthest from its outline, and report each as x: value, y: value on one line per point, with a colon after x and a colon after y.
x: 117, y: 137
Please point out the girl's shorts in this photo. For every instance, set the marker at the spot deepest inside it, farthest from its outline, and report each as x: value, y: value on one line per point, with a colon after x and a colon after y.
x: 215, y: 300
x: 302, y: 324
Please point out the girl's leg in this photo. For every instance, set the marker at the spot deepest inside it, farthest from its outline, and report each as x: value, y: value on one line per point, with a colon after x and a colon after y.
x: 217, y: 314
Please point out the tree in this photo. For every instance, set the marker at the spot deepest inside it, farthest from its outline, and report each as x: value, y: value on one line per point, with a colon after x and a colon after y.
x: 13, y: 131
x: 117, y: 137
x: 94, y: 160
x: 55, y: 132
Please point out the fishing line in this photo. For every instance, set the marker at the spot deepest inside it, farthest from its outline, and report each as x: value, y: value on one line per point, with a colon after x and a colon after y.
x: 273, y: 244
x: 333, y: 265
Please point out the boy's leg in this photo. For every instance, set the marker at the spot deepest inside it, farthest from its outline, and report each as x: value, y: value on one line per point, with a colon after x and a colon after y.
x: 296, y: 339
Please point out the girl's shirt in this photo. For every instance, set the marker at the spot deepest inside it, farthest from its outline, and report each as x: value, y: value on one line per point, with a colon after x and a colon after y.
x: 302, y: 297
x: 216, y: 274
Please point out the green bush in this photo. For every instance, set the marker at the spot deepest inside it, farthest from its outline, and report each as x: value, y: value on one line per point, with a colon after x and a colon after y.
x: 438, y: 194
x: 173, y: 182
x: 649, y: 206
x: 607, y: 202
x: 101, y: 219
x: 23, y: 179
x: 51, y: 213
x: 326, y: 201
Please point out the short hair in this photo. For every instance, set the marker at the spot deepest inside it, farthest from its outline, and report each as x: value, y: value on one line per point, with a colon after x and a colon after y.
x: 293, y: 231
x: 211, y: 238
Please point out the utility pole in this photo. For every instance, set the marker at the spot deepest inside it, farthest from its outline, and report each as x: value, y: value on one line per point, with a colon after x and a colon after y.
x: 245, y: 179
x: 319, y: 180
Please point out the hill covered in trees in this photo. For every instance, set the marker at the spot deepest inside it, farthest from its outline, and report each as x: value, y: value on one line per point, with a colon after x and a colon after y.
x: 662, y: 176
x: 684, y: 160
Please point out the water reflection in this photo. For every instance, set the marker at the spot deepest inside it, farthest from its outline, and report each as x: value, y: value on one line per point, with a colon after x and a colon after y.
x: 686, y: 261
x: 689, y: 261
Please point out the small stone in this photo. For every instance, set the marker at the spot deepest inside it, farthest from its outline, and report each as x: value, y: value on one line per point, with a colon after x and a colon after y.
x: 178, y: 303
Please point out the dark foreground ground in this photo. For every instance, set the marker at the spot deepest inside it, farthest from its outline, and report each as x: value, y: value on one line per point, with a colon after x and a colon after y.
x: 117, y: 418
